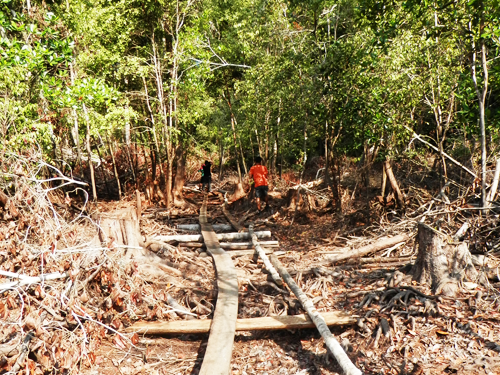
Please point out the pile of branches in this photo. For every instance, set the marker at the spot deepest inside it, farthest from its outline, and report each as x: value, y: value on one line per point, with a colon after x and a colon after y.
x: 61, y: 291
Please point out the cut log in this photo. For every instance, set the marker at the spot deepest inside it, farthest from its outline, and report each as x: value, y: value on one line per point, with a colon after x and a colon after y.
x: 439, y: 264
x: 219, y: 236
x: 274, y: 274
x: 217, y: 359
x: 197, y: 227
x: 381, y: 244
x: 271, y: 323
x: 331, y: 343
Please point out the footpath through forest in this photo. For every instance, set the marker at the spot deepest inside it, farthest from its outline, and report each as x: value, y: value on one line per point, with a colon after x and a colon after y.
x: 133, y: 288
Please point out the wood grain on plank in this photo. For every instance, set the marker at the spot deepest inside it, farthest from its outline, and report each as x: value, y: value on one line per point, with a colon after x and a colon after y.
x: 335, y: 318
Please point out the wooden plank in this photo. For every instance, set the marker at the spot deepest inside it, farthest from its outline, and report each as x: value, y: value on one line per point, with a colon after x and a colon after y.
x: 219, y: 350
x: 270, y: 323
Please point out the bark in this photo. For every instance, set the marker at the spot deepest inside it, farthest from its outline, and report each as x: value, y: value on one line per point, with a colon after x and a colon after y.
x: 381, y: 244
x: 271, y: 323
x: 441, y: 265
x: 331, y: 343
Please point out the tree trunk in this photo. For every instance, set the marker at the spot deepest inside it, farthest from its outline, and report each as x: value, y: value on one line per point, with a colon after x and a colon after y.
x: 394, y: 184
x: 121, y: 228
x: 494, y: 184
x: 117, y: 177
x: 441, y: 265
x: 180, y: 177
x: 89, y: 151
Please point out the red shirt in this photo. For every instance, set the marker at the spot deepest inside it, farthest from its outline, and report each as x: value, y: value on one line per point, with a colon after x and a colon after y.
x: 259, y: 174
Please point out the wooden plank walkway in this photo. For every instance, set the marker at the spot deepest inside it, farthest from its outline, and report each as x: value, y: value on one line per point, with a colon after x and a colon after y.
x: 217, y: 360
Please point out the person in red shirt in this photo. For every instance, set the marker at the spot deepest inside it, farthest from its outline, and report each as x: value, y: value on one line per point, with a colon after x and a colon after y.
x: 259, y: 174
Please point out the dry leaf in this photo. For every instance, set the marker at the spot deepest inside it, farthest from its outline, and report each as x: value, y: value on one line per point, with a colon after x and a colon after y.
x: 119, y: 343
x: 135, y: 338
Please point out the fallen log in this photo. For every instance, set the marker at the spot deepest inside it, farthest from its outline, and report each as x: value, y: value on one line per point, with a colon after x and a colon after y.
x: 269, y: 323
x: 232, y: 245
x: 239, y: 253
x: 274, y: 274
x: 220, y: 237
x: 381, y: 244
x: 197, y: 227
x: 331, y: 343
x: 380, y: 260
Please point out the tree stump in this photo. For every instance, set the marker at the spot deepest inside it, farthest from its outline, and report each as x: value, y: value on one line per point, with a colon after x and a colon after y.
x: 439, y: 264
x: 122, y: 228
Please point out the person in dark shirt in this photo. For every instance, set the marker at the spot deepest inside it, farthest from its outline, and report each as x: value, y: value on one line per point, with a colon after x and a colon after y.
x: 206, y: 176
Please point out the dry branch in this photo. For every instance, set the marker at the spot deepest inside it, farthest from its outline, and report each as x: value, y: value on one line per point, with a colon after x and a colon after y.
x: 335, y: 318
x: 381, y: 244
x: 26, y: 280
x: 331, y: 343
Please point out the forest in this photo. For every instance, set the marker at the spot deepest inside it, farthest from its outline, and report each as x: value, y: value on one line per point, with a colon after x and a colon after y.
x: 378, y: 251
